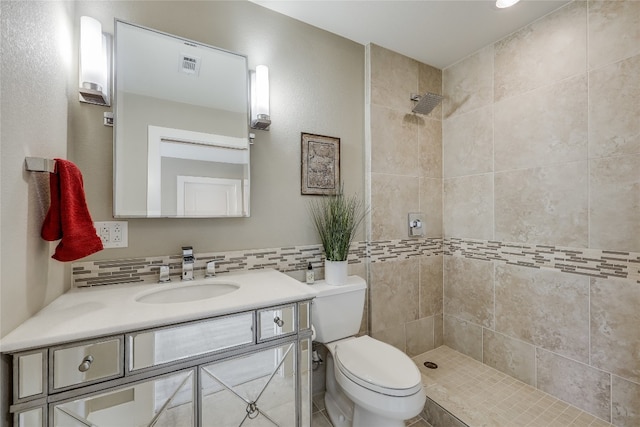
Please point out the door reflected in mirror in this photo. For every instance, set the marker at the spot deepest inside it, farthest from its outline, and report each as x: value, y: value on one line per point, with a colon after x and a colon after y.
x: 181, y: 146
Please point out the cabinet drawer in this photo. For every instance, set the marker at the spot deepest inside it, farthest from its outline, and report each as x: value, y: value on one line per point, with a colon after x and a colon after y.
x: 276, y: 322
x: 164, y: 345
x: 86, y: 363
x: 29, y: 375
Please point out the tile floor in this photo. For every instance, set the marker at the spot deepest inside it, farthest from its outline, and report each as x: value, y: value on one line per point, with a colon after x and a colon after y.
x: 479, y: 395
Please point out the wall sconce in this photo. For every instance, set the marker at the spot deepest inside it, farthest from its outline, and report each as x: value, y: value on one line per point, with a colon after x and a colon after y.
x: 260, y: 118
x: 94, y: 77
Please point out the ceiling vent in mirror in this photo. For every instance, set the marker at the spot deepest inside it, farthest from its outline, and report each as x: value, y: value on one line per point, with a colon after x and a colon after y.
x: 189, y: 64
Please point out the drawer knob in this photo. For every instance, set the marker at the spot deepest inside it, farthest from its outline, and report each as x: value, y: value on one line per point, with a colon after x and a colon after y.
x: 86, y: 364
x: 278, y: 321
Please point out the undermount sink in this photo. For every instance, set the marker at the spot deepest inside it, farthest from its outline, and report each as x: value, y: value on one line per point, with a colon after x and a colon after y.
x: 187, y: 293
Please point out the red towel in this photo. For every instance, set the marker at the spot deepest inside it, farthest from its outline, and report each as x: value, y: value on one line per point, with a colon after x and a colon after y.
x: 68, y: 217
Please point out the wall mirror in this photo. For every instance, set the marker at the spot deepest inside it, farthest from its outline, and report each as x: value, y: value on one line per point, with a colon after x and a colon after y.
x: 181, y: 142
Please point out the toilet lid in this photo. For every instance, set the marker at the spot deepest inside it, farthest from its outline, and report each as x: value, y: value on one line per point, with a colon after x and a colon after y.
x: 377, y: 366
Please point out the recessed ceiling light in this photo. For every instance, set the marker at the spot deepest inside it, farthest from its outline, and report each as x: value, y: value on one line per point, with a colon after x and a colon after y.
x: 501, y: 4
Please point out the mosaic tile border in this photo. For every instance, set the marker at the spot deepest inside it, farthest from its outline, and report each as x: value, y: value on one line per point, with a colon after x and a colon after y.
x: 590, y: 262
x: 584, y: 261
x: 146, y: 270
x: 287, y: 259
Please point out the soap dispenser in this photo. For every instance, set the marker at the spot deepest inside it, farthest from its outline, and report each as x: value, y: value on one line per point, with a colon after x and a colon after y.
x: 310, y: 274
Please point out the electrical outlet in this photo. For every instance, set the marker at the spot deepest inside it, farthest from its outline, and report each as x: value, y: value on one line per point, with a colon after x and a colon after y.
x: 114, y: 234
x: 103, y: 233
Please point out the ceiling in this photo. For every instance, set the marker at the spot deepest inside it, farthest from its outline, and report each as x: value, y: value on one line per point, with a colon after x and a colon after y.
x: 436, y: 32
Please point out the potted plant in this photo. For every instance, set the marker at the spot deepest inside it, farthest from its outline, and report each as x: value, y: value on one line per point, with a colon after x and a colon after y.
x: 336, y: 219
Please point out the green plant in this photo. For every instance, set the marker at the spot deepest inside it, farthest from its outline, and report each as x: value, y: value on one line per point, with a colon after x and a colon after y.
x: 336, y: 219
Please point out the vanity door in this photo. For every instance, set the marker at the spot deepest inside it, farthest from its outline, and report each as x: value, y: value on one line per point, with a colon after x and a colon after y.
x: 164, y: 401
x: 258, y: 389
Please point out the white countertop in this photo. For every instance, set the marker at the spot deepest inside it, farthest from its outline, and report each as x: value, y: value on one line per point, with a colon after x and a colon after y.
x: 92, y: 312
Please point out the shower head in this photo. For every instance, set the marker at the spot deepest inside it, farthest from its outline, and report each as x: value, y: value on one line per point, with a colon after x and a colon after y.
x: 426, y: 103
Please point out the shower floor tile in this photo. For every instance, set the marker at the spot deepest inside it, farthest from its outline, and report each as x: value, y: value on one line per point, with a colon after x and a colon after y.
x: 478, y: 395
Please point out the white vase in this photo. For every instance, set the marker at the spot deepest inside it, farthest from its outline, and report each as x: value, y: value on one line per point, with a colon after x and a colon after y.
x: 335, y: 272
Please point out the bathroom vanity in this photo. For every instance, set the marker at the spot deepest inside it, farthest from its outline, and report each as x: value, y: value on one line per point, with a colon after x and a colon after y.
x: 162, y: 355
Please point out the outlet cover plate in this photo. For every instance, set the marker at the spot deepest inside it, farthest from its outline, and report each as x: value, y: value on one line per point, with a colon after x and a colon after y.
x: 114, y: 234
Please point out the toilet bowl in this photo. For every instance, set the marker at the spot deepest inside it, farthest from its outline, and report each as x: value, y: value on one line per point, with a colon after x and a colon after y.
x: 368, y: 383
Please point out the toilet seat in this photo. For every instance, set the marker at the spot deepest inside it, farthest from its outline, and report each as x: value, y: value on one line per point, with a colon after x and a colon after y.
x: 377, y: 366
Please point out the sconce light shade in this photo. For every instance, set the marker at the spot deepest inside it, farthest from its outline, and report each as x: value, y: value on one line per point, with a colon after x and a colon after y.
x: 94, y: 86
x: 260, y: 118
x: 502, y: 4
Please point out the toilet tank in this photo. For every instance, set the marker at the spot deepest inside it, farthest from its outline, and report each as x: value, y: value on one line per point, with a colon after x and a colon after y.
x: 336, y: 311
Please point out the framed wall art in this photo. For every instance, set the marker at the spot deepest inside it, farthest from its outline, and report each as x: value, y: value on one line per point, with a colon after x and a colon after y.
x: 320, y: 164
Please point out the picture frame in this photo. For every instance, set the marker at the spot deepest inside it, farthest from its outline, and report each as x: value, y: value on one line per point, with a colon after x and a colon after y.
x: 320, y: 164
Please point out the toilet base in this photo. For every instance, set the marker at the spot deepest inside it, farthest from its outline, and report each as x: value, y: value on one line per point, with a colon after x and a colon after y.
x: 364, y: 418
x: 339, y: 406
x: 355, y: 416
x: 339, y: 415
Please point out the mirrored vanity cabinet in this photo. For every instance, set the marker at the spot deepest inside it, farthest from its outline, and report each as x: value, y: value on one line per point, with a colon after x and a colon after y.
x: 250, y: 368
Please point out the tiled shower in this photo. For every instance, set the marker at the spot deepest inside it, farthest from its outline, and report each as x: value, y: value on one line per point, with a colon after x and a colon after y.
x: 530, y: 172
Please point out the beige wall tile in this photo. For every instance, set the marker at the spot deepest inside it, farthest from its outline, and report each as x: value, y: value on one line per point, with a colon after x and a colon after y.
x: 394, y: 336
x: 357, y: 270
x: 468, y: 143
x: 364, y: 322
x: 393, y: 78
x: 430, y: 80
x: 615, y: 327
x: 419, y: 336
x: 430, y: 143
x: 392, y: 198
x: 542, y: 53
x: 394, y: 142
x: 394, y: 293
x: 541, y: 127
x: 625, y: 403
x: 546, y: 205
x: 430, y: 285
x: 468, y: 207
x: 437, y: 416
x: 576, y: 383
x: 614, y: 109
x: 532, y: 305
x: 468, y: 290
x: 617, y: 21
x: 513, y: 357
x: 468, y: 84
x: 614, y: 184
x: 463, y: 336
x: 431, y: 206
x: 438, y: 330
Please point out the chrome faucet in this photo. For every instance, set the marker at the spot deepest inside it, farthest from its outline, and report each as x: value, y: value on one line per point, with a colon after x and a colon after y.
x: 164, y: 274
x: 211, y: 269
x: 187, y: 263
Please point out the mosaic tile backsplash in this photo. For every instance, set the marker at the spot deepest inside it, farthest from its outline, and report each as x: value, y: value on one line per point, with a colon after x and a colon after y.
x: 590, y: 262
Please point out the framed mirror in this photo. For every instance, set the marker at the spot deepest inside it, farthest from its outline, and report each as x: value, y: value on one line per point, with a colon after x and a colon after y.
x: 181, y: 141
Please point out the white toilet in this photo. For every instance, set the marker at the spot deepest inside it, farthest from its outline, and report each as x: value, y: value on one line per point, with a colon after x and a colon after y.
x: 368, y: 383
